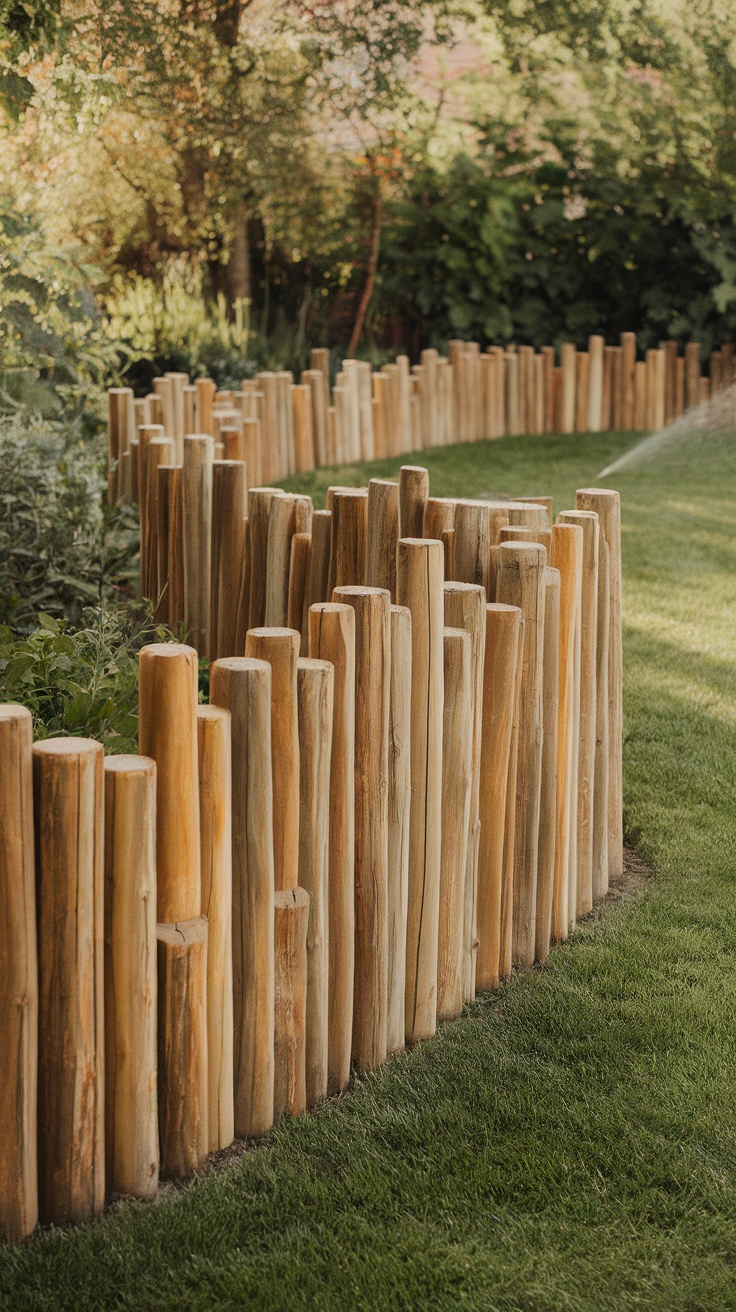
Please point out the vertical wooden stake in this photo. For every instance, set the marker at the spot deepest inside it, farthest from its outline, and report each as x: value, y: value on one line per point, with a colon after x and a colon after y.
x: 280, y: 647
x: 465, y: 608
x: 382, y: 542
x: 413, y: 493
x: 372, y: 688
x: 420, y: 588
x: 281, y: 529
x: 628, y: 371
x: 18, y: 979
x: 399, y: 806
x: 243, y: 687
x: 167, y: 677
x: 566, y: 556
x: 439, y: 517
x: 600, y: 792
x: 301, y: 552
x: 332, y: 638
x: 595, y: 384
x: 68, y: 811
x: 291, y: 918
x: 473, y: 532
x: 259, y: 510
x: 182, y: 1047
x: 196, y: 491
x: 505, y: 953
x: 215, y: 823
x: 349, y: 529
x: 457, y: 779
x: 521, y: 583
x: 548, y: 803
x: 319, y: 563
x: 228, y: 536
x: 501, y: 657
x: 567, y: 362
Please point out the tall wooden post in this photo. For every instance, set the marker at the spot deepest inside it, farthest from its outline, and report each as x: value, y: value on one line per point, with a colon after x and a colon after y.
x: 383, y: 535
x: 372, y: 686
x: 465, y: 608
x: 281, y: 528
x: 600, y: 791
x: 315, y: 685
x: 548, y: 802
x: 332, y: 638
x: 196, y: 490
x: 259, y: 510
x: 169, y: 477
x: 501, y: 657
x: 167, y: 675
x: 280, y: 647
x: 301, y: 552
x: 567, y: 362
x: 521, y: 583
x: 215, y: 823
x: 420, y: 588
x: 131, y: 1108
x: 474, y: 526
x: 607, y: 504
x: 413, y: 493
x: 243, y: 686
x: 291, y: 921
x: 228, y: 544
x: 18, y: 978
x: 566, y: 556
x: 457, y: 779
x: 319, y: 561
x: 506, y: 937
x: 399, y: 807
x: 349, y: 529
x: 182, y: 1048
x: 628, y: 372
x: 68, y: 812
x: 595, y: 384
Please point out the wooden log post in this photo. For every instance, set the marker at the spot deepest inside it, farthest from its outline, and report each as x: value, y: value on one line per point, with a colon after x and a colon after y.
x: 607, y: 505
x: 420, y: 588
x: 501, y: 657
x: 280, y: 647
x: 588, y: 522
x: 627, y: 382
x: 281, y: 529
x: 399, y: 807
x: 243, y: 686
x: 600, y: 790
x: 215, y: 824
x: 521, y: 583
x: 315, y: 685
x: 692, y: 375
x: 457, y: 780
x: 301, y: 404
x: 259, y: 511
x: 413, y: 493
x: 205, y: 401
x: 68, y: 812
x: 332, y: 638
x: 582, y: 372
x: 18, y: 978
x: 228, y: 544
x: 291, y: 920
x: 371, y: 776
x: 167, y: 677
x: 159, y: 453
x: 301, y: 552
x: 382, y: 542
x: 182, y: 1047
x: 566, y: 556
x: 319, y: 561
x: 196, y: 493
x: 595, y: 383
x: 131, y: 1108
x: 171, y: 552
x: 465, y: 608
x: 241, y: 619
x: 348, y: 543
x: 548, y: 801
x: 567, y: 363
x: 439, y: 517
x: 473, y: 541
x: 506, y: 945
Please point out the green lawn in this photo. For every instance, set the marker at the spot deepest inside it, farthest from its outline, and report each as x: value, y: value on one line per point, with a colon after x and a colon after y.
x: 571, y: 1142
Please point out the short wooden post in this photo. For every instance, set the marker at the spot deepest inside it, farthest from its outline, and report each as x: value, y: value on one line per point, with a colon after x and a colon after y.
x: 301, y: 552
x: 439, y: 517
x: 228, y: 544
x: 413, y: 493
x: 332, y: 638
x: 420, y: 588
x: 205, y: 400
x: 501, y: 657
x: 399, y: 805
x: 281, y: 529
x: 640, y: 396
x: 291, y: 919
x: 670, y: 372
x: 692, y: 375
x: 68, y: 811
x: 607, y: 505
x: 196, y: 490
x: 315, y: 684
x: 167, y: 677
x: 457, y: 779
x: 465, y: 608
x: 595, y: 383
x: 588, y: 522
x: 243, y: 686
x: 215, y: 823
x: 628, y: 372
x: 582, y: 372
x: 565, y: 556
x: 473, y: 533
x: 280, y: 647
x: 348, y: 545
x: 521, y: 583
x: 301, y: 402
x: 18, y: 979
x: 259, y: 511
x: 372, y: 689
x: 319, y: 561
x: 131, y: 1109
x: 548, y: 801
x: 609, y: 357
x: 567, y: 362
x: 382, y: 542
x: 182, y: 1047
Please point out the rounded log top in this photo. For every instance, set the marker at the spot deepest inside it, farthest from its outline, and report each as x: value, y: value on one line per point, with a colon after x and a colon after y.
x: 241, y: 664
x: 526, y: 548
x: 275, y: 631
x: 284, y: 898
x: 581, y: 514
x: 420, y: 542
x: 495, y: 606
x: 349, y: 492
x: 14, y: 711
x: 313, y: 663
x: 207, y: 711
x: 67, y: 747
x: 453, y: 585
x: 360, y: 590
x: 129, y: 764
x: 183, y: 932
x: 236, y: 464
x: 331, y: 607
x: 597, y: 492
x: 168, y: 649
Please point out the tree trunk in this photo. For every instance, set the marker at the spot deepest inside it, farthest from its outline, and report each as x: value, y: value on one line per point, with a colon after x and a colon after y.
x: 239, y: 268
x: 365, y: 299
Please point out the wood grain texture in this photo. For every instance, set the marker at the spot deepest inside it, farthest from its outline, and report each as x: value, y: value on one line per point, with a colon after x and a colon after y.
x: 18, y: 978
x: 457, y: 780
x: 600, y: 791
x: 348, y: 538
x: 280, y: 647
x: 281, y: 529
x: 301, y: 552
x: 228, y: 539
x: 182, y: 1046
x: 291, y: 919
x: 332, y: 638
x: 243, y: 686
x: 259, y: 511
x: 505, y: 954
x: 382, y: 541
x: 167, y: 700
x: 399, y: 813
x: 131, y: 1108
x: 68, y: 816
x: 548, y: 801
x: 319, y: 562
x: 413, y: 493
x: 566, y: 556
x: 196, y: 500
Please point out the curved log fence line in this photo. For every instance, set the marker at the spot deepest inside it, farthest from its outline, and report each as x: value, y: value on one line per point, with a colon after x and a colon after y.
x: 407, y: 781
x: 279, y: 428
